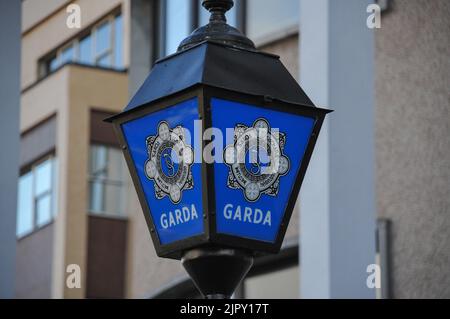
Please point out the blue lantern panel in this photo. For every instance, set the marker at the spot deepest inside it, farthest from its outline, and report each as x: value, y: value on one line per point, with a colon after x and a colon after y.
x: 261, y: 159
x: 161, y: 146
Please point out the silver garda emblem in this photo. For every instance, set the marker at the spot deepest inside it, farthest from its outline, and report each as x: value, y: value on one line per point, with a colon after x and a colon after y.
x: 169, y: 162
x: 256, y: 160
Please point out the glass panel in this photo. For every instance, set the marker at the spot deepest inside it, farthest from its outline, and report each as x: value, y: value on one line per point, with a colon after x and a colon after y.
x: 96, y: 197
x: 99, y: 156
x: 178, y: 23
x: 105, y: 61
x: 114, y: 200
x: 204, y: 15
x: 86, y: 56
x: 67, y: 55
x: 118, y: 42
x: 55, y: 187
x: 115, y: 165
x: 106, y: 187
x: 103, y: 39
x: 43, y: 182
x: 53, y: 64
x: 267, y: 17
x: 43, y: 210
x: 25, y: 205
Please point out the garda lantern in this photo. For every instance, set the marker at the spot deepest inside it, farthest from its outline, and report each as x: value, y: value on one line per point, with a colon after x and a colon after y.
x: 217, y: 140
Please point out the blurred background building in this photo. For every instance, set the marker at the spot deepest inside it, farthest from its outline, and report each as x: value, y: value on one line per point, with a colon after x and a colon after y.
x: 377, y: 190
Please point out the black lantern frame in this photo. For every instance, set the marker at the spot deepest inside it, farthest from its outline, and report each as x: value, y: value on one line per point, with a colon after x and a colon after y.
x: 211, y: 238
x: 218, y: 62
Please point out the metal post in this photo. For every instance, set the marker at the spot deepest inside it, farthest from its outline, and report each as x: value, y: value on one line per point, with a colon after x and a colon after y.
x: 216, y: 271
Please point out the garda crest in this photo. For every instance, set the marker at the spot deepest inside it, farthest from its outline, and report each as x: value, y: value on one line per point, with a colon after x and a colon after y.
x: 256, y: 160
x: 169, y: 163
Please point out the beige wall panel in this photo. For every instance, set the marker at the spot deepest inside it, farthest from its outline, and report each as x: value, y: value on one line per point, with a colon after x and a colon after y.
x: 43, y: 99
x: 88, y: 87
x: 146, y: 271
x: 413, y: 145
x: 99, y: 89
x: 34, y: 264
x: 34, y: 11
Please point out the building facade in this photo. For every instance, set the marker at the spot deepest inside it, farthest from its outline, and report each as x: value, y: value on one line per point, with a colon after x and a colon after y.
x: 72, y: 174
x: 76, y: 203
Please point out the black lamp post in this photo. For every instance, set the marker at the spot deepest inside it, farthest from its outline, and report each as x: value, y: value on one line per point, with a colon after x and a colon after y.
x: 216, y: 215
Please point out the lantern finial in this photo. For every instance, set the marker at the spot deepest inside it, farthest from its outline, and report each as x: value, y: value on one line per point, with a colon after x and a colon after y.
x: 217, y: 29
x: 218, y: 8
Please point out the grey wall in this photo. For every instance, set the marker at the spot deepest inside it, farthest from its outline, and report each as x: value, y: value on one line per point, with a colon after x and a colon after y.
x: 38, y: 142
x: 337, y: 201
x: 10, y: 36
x: 413, y: 144
x: 34, y: 264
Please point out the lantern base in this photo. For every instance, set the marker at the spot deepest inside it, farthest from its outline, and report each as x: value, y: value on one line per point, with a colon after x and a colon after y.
x: 217, y: 272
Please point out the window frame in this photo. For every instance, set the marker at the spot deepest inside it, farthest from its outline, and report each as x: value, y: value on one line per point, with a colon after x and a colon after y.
x: 45, y: 68
x: 96, y: 57
x: 52, y: 192
x: 162, y: 25
x: 101, y: 176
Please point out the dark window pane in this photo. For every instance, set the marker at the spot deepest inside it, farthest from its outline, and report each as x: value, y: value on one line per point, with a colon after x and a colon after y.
x: 118, y: 42
x: 86, y: 55
x: 25, y: 205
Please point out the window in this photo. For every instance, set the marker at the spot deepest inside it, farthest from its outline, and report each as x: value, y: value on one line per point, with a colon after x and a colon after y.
x: 118, y: 41
x: 181, y: 17
x: 101, y: 46
x: 107, y: 181
x: 67, y: 54
x: 85, y: 48
x: 103, y: 50
x: 178, y: 23
x: 36, y: 201
x: 267, y: 19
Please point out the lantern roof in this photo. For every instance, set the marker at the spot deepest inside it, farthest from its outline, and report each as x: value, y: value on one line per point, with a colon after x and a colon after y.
x: 222, y: 66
